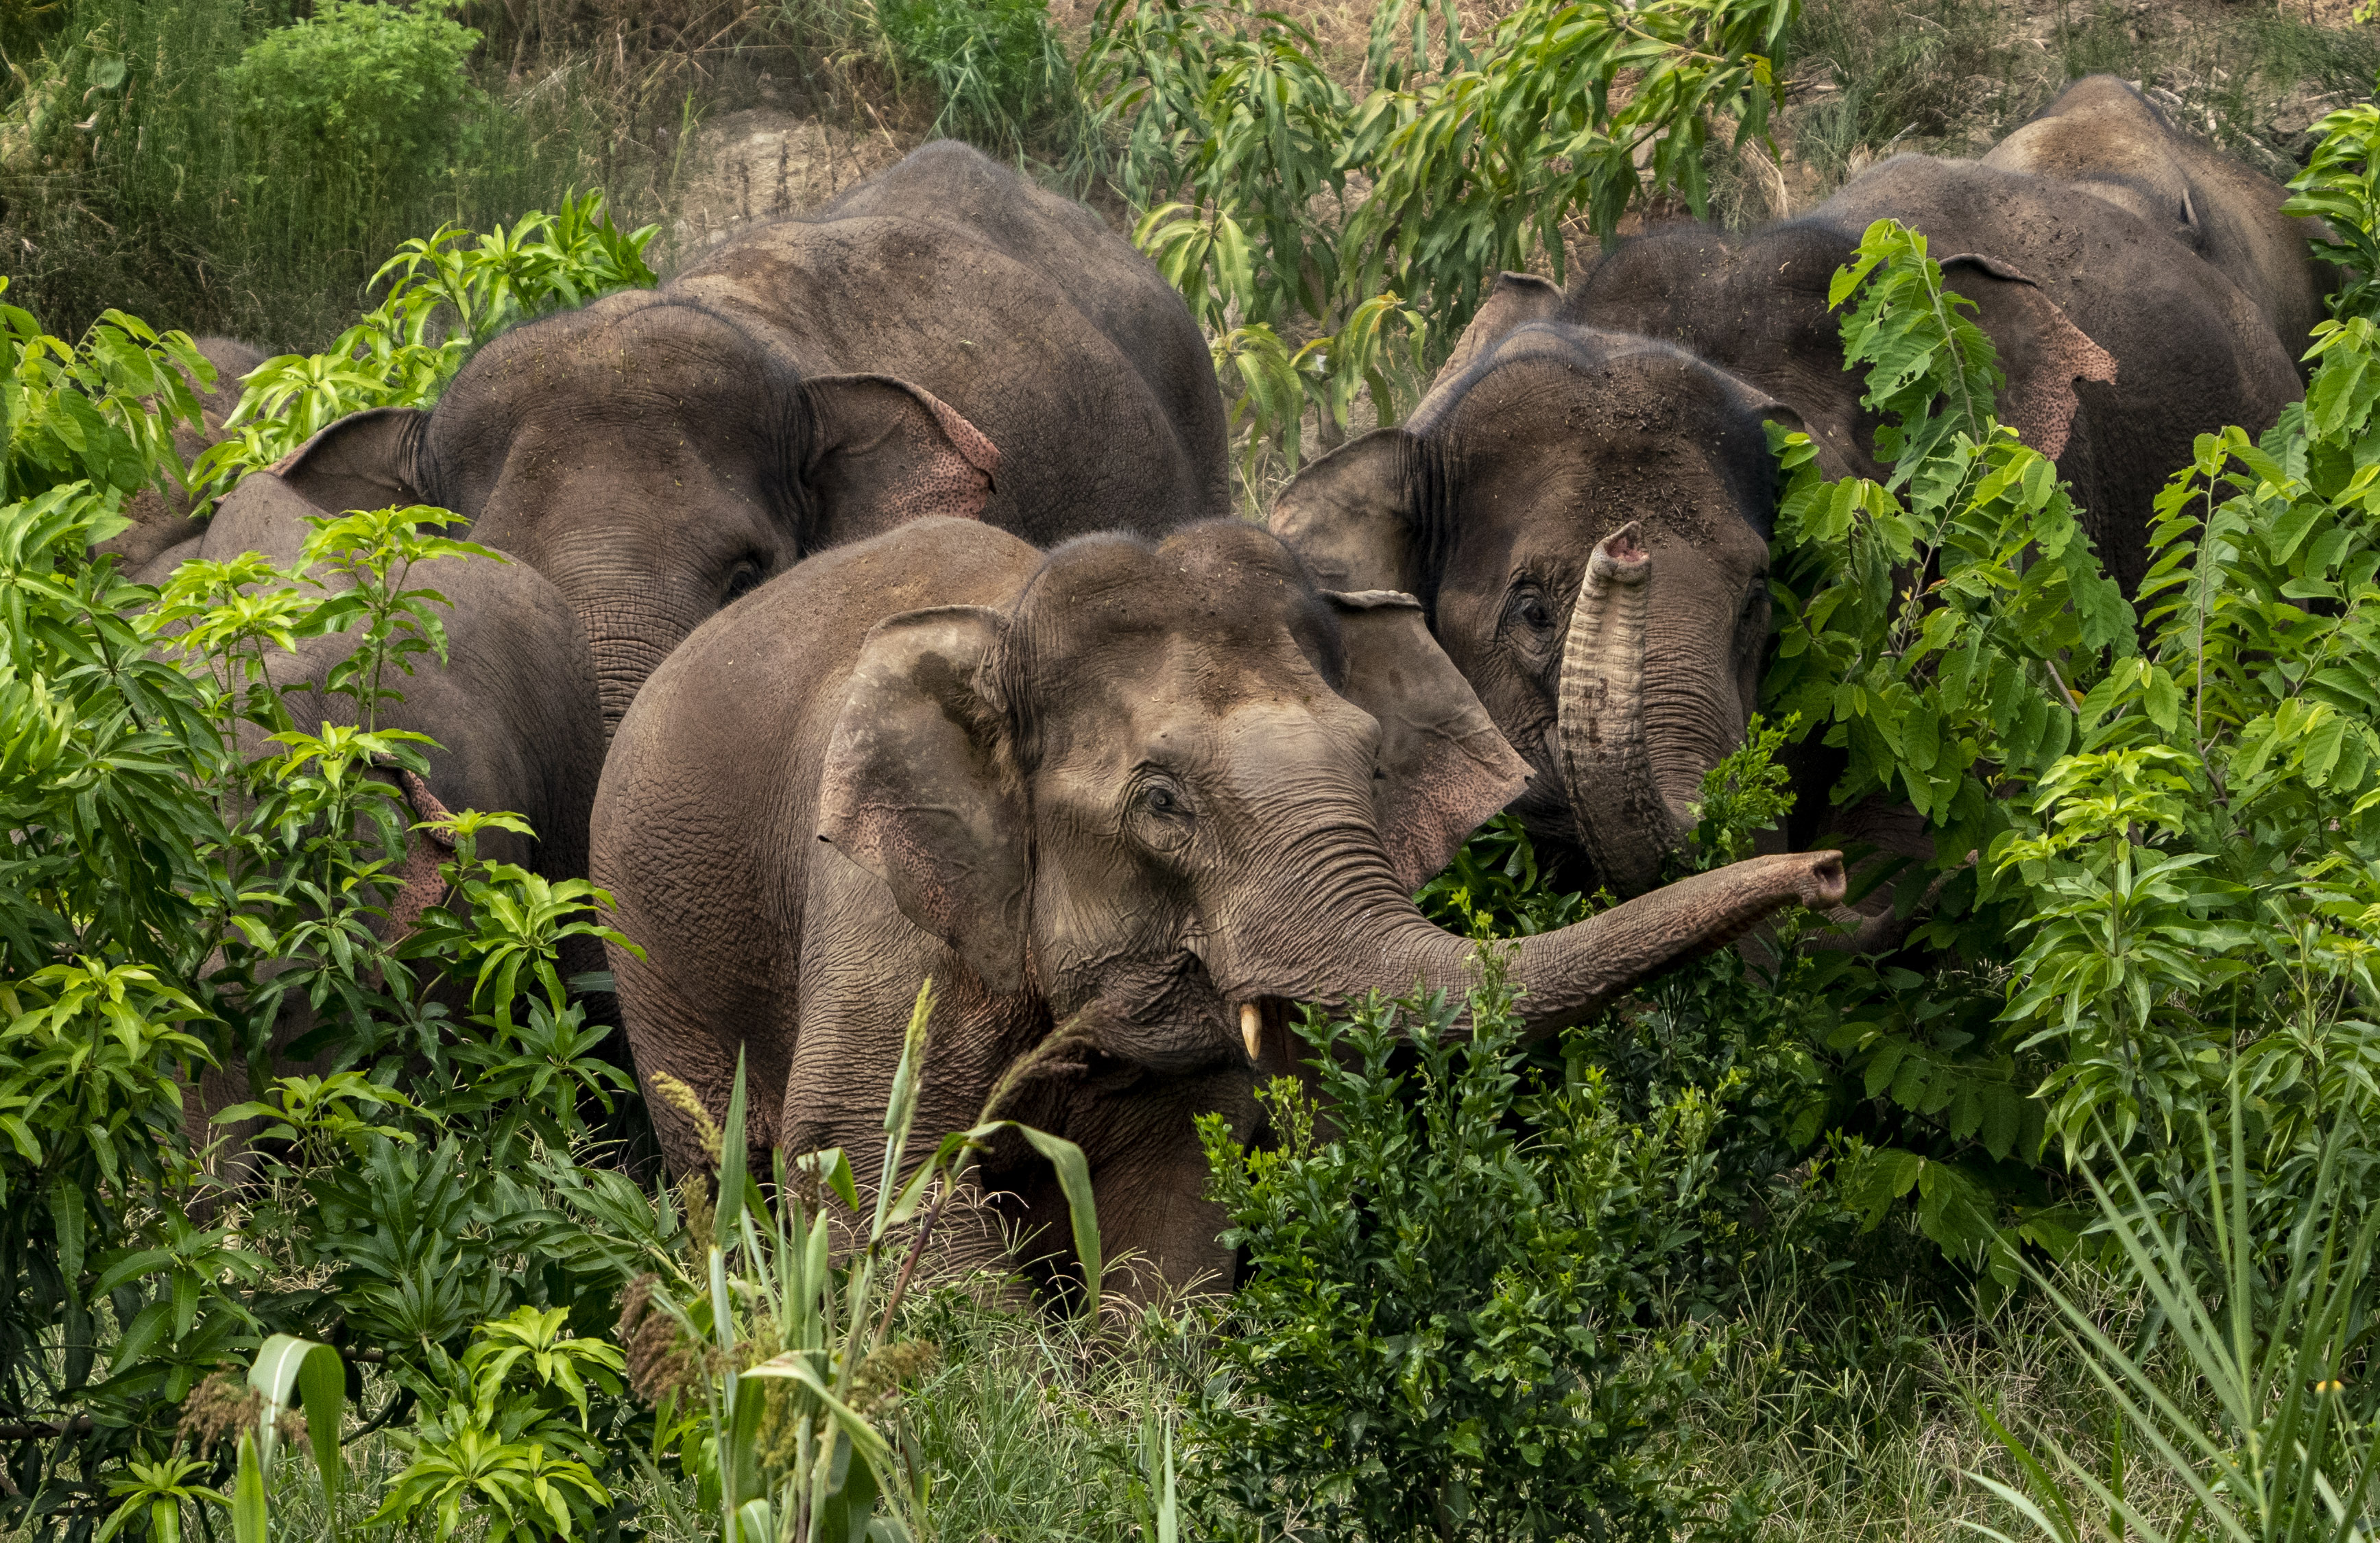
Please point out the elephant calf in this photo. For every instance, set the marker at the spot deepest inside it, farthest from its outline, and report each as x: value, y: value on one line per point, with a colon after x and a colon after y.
x: 514, y: 711
x: 1158, y: 790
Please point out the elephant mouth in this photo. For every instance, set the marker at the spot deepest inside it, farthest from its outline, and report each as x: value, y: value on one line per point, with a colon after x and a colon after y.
x: 1264, y: 1034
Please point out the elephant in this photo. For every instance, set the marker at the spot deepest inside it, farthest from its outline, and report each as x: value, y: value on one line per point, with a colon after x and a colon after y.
x: 1540, y: 439
x: 514, y: 710
x: 946, y: 338
x: 2102, y: 138
x: 2120, y: 345
x: 159, y: 521
x: 1143, y: 794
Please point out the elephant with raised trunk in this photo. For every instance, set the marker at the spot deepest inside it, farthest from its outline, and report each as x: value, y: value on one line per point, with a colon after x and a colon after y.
x: 2102, y: 138
x: 945, y: 339
x: 1586, y: 517
x: 1155, y: 790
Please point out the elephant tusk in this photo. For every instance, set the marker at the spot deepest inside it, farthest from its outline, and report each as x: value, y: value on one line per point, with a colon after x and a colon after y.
x: 1252, y: 1030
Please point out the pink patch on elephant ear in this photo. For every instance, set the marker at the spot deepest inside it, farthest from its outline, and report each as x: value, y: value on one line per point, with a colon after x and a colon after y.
x: 2041, y: 406
x: 890, y: 452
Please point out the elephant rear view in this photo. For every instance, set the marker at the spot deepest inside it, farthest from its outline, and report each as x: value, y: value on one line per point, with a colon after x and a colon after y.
x: 945, y: 339
x: 2119, y: 344
x: 2106, y: 138
x: 1153, y: 791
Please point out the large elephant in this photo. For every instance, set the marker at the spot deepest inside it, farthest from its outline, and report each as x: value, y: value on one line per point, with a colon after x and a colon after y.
x: 514, y: 710
x: 159, y: 521
x: 812, y: 382
x: 2103, y: 137
x: 2120, y: 345
x: 1158, y: 790
x: 1541, y: 438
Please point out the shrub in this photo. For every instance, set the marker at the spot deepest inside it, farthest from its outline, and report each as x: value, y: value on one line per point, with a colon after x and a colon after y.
x: 368, y: 96
x: 997, y: 67
x: 1448, y: 1257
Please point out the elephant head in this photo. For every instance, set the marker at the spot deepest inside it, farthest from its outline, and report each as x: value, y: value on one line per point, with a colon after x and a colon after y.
x: 1585, y: 515
x: 1171, y: 789
x: 655, y: 461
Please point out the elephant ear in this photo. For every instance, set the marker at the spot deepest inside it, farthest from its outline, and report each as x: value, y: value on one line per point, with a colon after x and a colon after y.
x: 1444, y: 766
x: 884, y: 453
x: 1349, y: 516
x: 2039, y: 401
x: 918, y: 791
x: 367, y: 460
x: 1518, y: 299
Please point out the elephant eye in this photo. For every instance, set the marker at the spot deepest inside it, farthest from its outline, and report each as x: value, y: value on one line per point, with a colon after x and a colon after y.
x: 1529, y: 609
x: 1161, y: 815
x: 744, y: 579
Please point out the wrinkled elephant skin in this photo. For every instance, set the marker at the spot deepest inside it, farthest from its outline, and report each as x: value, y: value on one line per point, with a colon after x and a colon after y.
x: 2119, y: 344
x: 1156, y: 790
x: 943, y: 338
x: 1541, y: 441
x: 2105, y: 138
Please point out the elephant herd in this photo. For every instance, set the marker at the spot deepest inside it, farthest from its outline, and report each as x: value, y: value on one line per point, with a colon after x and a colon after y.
x: 876, y: 613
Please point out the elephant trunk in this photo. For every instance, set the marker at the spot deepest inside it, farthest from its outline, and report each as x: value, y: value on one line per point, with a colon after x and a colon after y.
x: 1625, y: 824
x: 1568, y: 975
x: 1382, y: 943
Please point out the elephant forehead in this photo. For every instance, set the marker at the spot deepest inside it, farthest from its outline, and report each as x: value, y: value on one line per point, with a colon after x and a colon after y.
x: 1182, y: 699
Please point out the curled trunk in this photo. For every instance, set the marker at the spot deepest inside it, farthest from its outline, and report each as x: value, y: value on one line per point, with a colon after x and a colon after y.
x: 1625, y: 824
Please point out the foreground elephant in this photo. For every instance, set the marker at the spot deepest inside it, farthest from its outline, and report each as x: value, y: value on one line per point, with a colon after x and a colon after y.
x: 1162, y: 791
x: 159, y: 521
x: 812, y: 382
x: 2105, y: 138
x: 514, y: 711
x: 1540, y: 439
x: 2120, y: 345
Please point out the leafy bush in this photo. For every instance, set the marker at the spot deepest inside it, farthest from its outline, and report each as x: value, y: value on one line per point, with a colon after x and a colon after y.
x: 167, y: 898
x: 1274, y: 199
x: 1447, y: 1258
x: 997, y: 67
x: 371, y: 90
x: 452, y: 290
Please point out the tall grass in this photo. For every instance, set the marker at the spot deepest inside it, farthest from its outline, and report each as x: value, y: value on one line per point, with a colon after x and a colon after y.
x: 167, y: 206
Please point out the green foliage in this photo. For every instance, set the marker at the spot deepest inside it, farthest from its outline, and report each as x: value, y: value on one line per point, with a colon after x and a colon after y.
x: 999, y: 70
x: 102, y: 411
x: 2340, y: 187
x: 1279, y: 204
x: 1449, y: 1251
x: 772, y: 1363
x: 373, y: 93
x: 506, y: 1430
x: 1940, y: 626
x: 450, y: 292
x: 1493, y: 888
x: 2277, y: 1333
x: 197, y: 861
